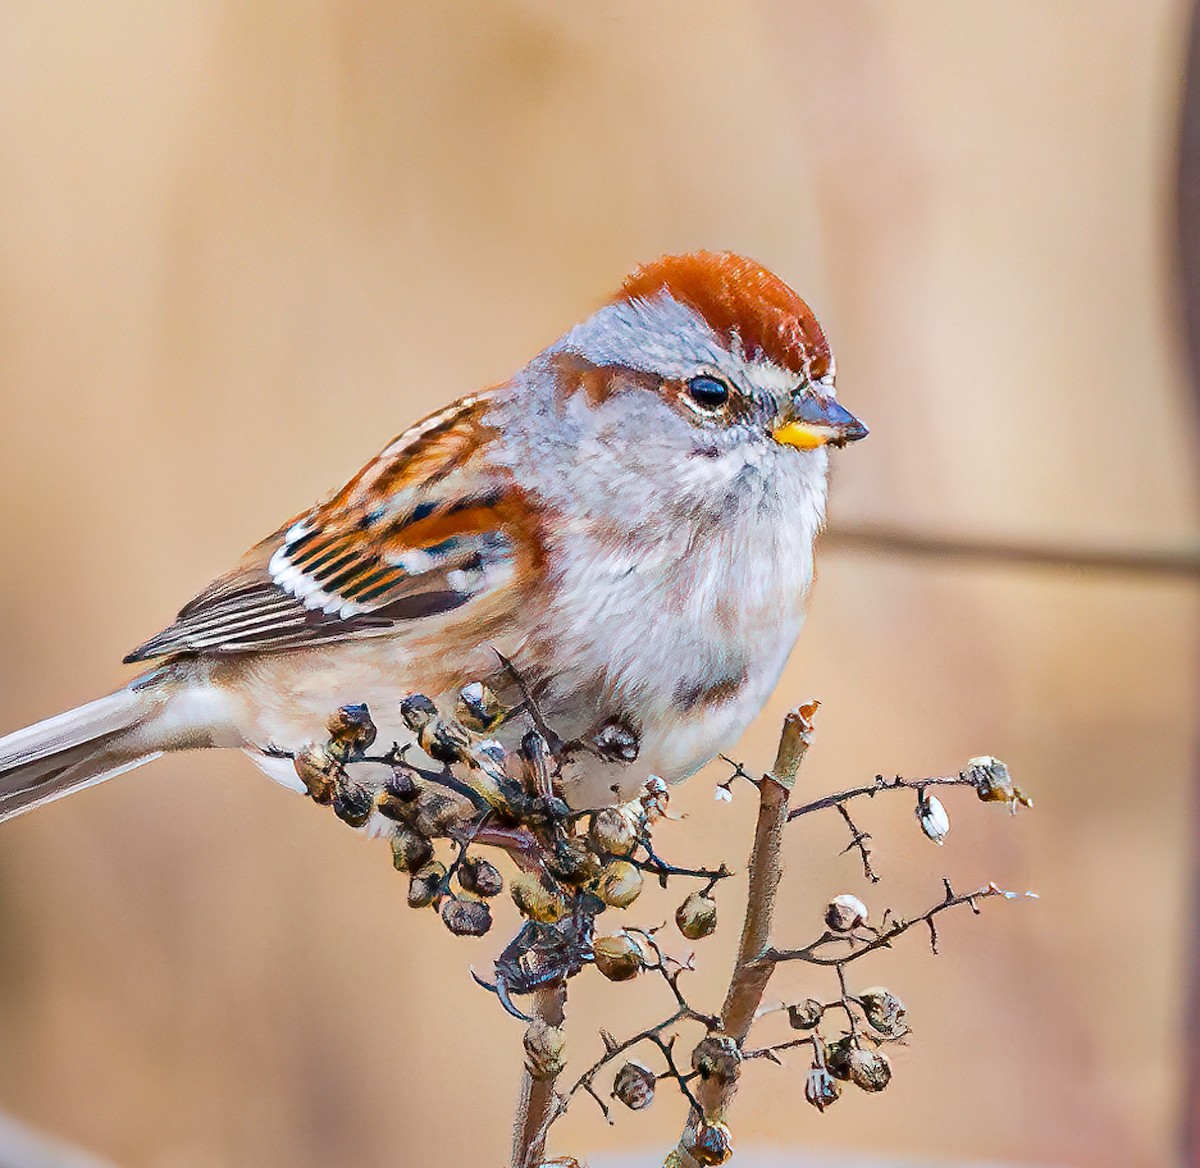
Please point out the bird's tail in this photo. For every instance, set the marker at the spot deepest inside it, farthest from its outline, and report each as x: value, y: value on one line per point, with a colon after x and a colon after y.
x: 80, y: 748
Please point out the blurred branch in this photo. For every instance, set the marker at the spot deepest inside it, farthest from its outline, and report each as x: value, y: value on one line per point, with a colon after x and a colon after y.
x: 1170, y: 563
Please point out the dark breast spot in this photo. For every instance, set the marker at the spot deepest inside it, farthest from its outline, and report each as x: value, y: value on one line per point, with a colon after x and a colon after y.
x: 691, y: 693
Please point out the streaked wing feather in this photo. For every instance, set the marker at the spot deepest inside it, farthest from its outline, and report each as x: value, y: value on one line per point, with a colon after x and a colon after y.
x: 422, y: 530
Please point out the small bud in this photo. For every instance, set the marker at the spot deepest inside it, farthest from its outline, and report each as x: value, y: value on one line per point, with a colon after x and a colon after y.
x: 614, y: 830
x: 845, y: 913
x: 466, y: 918
x: 992, y: 782
x: 410, y: 850
x: 932, y: 817
x: 717, y: 1057
x: 480, y: 877
x: 697, y: 916
x: 544, y: 1050
x: 885, y: 1013
x: 806, y: 1014
x: 478, y: 708
x: 620, y: 884
x: 353, y: 803
x: 536, y: 899
x: 573, y: 861
x: 820, y: 1088
x: 616, y: 742
x: 870, y: 1069
x: 318, y: 770
x: 425, y: 885
x: 656, y: 798
x: 618, y: 957
x: 351, y: 731
x: 709, y: 1143
x: 634, y: 1086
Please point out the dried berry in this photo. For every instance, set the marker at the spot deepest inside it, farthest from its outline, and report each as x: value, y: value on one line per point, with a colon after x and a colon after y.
x: 425, y: 886
x: 573, y: 861
x: 820, y: 1088
x: 697, y: 916
x: 717, y: 1057
x: 708, y: 1143
x: 655, y: 799
x: 436, y: 813
x: 634, y: 1086
x: 993, y: 783
x: 478, y: 708
x: 620, y: 884
x: 411, y: 851
x: 837, y: 1057
x: 806, y: 1014
x: 480, y: 877
x: 537, y: 899
x: 466, y: 918
x: 351, y: 731
x: 884, y: 1011
x: 417, y: 711
x: 318, y: 770
x: 618, y: 957
x: 932, y: 817
x: 614, y: 830
x: 353, y: 803
x: 870, y: 1069
x: 544, y: 1050
x: 845, y: 913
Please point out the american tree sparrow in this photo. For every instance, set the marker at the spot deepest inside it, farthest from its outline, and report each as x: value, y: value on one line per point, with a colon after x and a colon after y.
x: 629, y: 520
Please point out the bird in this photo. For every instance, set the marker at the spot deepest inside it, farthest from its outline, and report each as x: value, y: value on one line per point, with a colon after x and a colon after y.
x: 626, y: 526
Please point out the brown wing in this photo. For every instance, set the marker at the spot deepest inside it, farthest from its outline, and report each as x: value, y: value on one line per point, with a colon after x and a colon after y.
x: 427, y: 527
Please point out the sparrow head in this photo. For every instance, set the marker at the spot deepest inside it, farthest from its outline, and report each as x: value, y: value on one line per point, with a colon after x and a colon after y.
x: 727, y: 346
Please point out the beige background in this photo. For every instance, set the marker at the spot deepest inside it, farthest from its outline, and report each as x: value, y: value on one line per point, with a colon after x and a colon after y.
x: 243, y: 244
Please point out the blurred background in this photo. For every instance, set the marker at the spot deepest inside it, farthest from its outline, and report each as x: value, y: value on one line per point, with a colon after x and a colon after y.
x: 243, y: 245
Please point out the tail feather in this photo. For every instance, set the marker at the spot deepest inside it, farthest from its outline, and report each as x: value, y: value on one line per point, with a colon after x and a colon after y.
x: 74, y: 750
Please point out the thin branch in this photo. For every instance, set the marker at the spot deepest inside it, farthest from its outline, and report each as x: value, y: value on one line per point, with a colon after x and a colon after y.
x: 859, y: 839
x: 811, y: 953
x: 879, y: 785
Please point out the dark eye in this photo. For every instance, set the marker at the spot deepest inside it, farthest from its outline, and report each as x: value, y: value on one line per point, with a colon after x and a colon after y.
x: 708, y: 392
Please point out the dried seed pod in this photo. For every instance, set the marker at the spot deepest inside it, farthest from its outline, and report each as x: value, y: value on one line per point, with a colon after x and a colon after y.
x: 318, y: 770
x: 697, y: 916
x: 885, y: 1012
x: 353, y: 803
x: 537, y: 899
x: 411, y: 851
x: 437, y: 813
x: 932, y: 817
x: 480, y: 877
x: 806, y: 1014
x: 655, y: 799
x: 618, y: 957
x: 425, y: 885
x: 478, y: 708
x: 837, y: 1057
x: 561, y: 1162
x: 617, y: 742
x: 573, y: 861
x: 401, y: 784
x: 351, y: 731
x: 717, y: 1056
x: 466, y: 918
x: 820, y: 1088
x: 708, y: 1143
x: 870, y: 1069
x: 417, y: 711
x: 845, y: 913
x: 614, y: 830
x: 993, y: 783
x: 634, y: 1085
x: 544, y: 1050
x: 620, y: 884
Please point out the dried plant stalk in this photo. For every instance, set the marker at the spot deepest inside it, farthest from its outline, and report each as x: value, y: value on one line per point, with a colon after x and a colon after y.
x: 537, y: 1094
